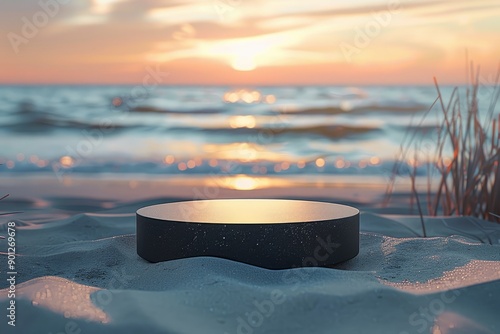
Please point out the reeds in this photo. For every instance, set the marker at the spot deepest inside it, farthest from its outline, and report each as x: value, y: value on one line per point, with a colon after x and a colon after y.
x: 465, y: 156
x: 6, y: 213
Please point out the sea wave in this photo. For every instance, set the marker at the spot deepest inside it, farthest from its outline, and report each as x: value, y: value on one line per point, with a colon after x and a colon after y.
x: 327, y: 131
x: 333, y: 109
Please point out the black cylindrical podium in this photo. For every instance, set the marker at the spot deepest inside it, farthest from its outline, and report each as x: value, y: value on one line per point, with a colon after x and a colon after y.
x: 269, y: 233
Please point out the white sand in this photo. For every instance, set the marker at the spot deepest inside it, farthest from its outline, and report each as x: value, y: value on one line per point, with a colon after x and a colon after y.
x: 81, y: 274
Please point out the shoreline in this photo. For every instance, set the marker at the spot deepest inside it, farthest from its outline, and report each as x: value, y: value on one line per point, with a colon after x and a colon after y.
x: 105, y: 191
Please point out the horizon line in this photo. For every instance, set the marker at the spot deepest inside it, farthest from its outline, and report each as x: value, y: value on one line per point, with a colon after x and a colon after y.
x: 406, y: 84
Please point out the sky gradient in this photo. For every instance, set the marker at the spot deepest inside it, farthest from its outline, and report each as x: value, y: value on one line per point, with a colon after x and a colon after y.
x: 238, y: 42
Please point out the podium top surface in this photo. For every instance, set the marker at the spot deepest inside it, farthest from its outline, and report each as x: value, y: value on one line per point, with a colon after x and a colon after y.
x: 248, y: 211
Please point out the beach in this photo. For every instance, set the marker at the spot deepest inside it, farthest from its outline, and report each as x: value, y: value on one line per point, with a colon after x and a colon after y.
x: 78, y: 270
x: 76, y: 179
x: 349, y: 153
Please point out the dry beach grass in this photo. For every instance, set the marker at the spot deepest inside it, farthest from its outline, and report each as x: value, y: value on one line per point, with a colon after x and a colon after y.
x: 462, y: 166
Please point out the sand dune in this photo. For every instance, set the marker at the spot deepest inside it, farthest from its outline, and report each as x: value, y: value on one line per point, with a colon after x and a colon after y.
x: 81, y: 274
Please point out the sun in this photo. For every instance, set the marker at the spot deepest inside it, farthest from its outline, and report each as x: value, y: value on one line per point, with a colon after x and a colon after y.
x: 243, y: 63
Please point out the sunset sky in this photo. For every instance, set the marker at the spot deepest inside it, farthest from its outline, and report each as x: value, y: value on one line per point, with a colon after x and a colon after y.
x: 247, y: 41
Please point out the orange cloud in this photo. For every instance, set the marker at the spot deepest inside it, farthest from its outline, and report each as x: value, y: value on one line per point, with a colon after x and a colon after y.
x: 236, y: 41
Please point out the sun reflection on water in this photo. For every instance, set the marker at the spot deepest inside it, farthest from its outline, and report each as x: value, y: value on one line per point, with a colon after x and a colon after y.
x: 247, y: 96
x: 244, y: 183
x: 242, y: 122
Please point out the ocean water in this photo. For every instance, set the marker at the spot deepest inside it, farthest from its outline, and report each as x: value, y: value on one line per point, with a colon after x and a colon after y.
x: 189, y: 130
